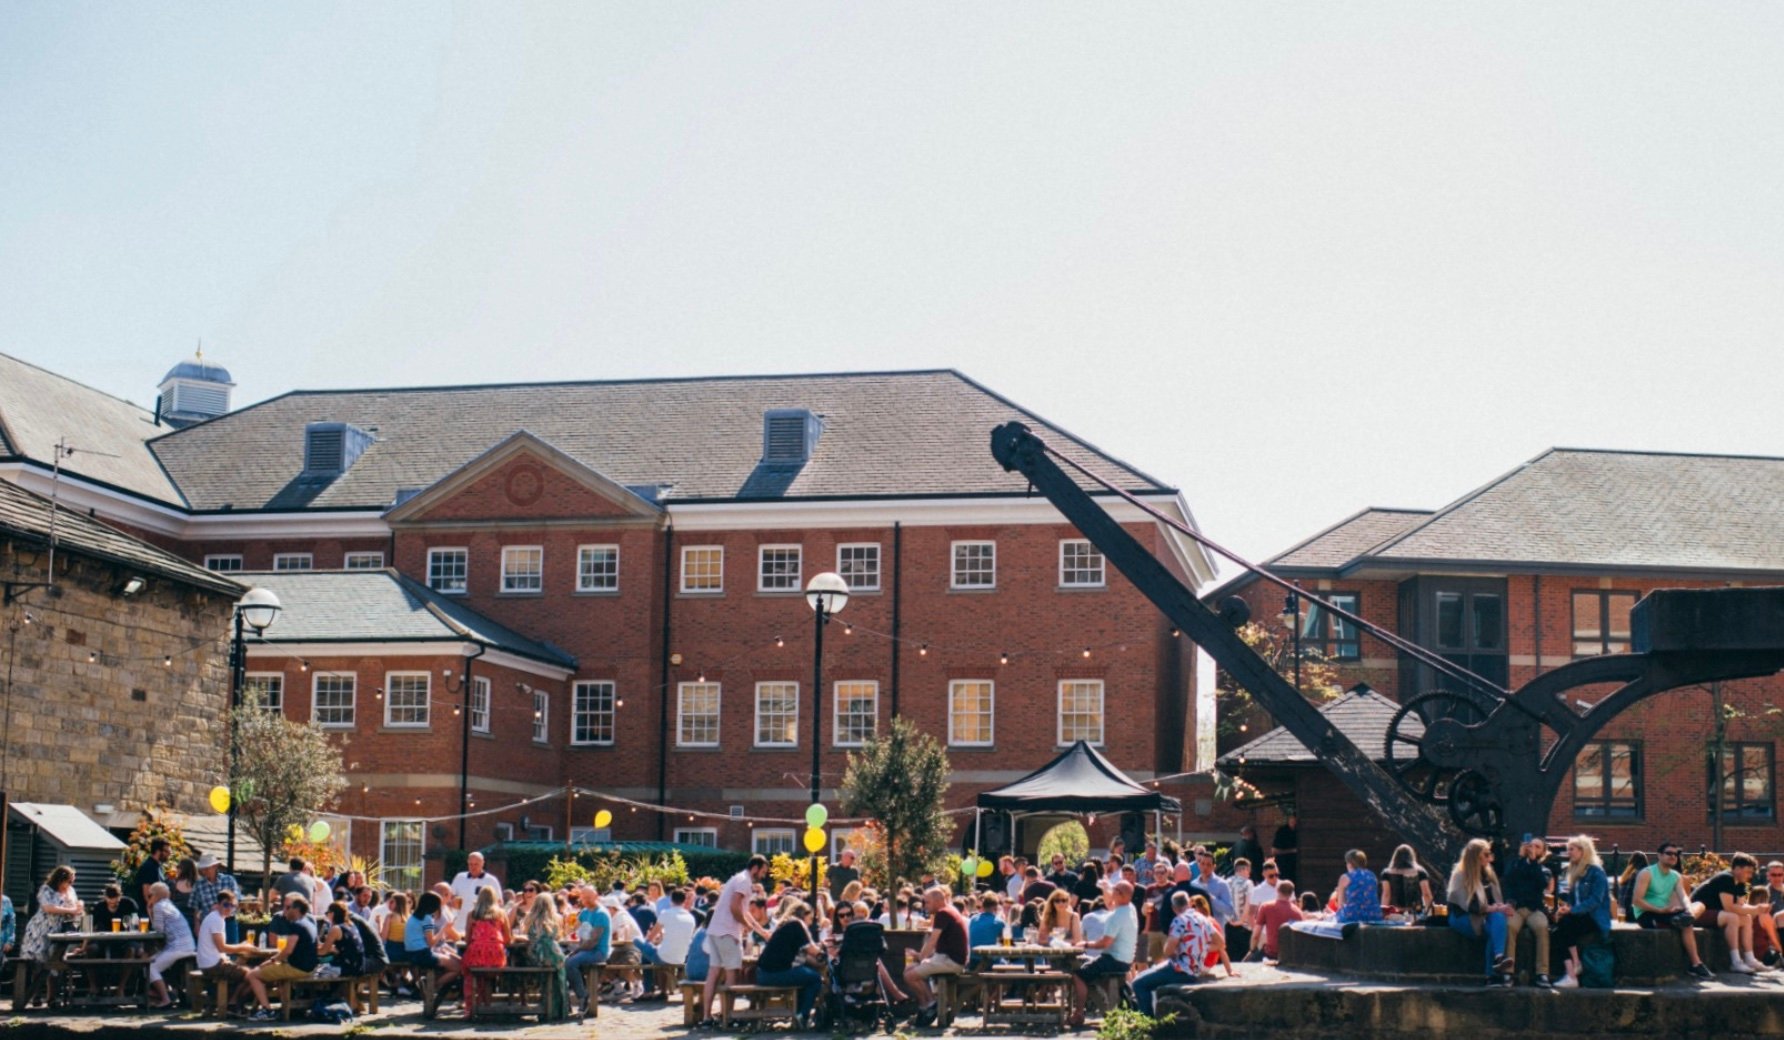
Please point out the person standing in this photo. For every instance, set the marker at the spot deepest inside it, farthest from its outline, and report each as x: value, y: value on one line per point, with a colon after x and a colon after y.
x: 1285, y: 848
x: 211, y: 881
x: 724, y: 933
x: 152, y: 871
x: 842, y: 872
x: 1527, y: 888
x: 1246, y: 848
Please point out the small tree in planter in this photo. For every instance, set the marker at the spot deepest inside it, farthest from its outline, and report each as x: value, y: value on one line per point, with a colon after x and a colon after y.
x: 286, y: 774
x: 158, y: 821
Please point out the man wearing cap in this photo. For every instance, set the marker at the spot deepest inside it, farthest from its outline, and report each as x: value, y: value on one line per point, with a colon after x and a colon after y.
x: 842, y: 872
x: 1527, y: 884
x: 211, y: 880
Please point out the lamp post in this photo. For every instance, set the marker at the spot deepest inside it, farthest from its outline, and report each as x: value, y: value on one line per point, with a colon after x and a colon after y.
x: 827, y: 593
x: 1291, y: 616
x: 255, y: 610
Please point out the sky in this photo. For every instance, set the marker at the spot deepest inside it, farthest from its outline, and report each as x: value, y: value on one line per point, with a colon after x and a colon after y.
x: 1295, y: 259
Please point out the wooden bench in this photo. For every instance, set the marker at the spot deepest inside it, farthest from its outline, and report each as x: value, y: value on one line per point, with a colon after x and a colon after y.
x: 128, y: 970
x: 691, y: 992
x: 1040, y: 998
x: 195, y: 995
x: 291, y: 993
x: 766, y: 1004
x: 510, y: 991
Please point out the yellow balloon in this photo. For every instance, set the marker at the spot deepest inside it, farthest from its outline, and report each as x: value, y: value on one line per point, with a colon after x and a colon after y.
x: 294, y: 833
x: 602, y: 819
x: 984, y: 868
x: 220, y: 799
x: 814, y: 839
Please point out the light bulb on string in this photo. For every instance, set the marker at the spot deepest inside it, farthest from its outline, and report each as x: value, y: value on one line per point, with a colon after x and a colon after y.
x: 1087, y: 652
x: 167, y: 662
x: 778, y: 641
x: 1003, y: 658
x: 923, y: 651
x: 848, y: 629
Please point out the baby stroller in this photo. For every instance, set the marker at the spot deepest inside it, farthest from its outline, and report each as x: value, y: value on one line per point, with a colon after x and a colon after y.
x: 856, y: 996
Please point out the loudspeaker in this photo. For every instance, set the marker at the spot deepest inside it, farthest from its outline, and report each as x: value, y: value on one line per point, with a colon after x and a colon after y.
x: 1133, y: 833
x: 996, y: 837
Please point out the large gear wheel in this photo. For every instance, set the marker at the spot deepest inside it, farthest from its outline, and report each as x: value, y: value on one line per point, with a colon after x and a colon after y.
x: 1425, y: 741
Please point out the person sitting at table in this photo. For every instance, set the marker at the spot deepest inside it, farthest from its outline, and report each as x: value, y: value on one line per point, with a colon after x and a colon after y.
x: 626, y: 953
x: 339, y: 941
x: 8, y: 927
x: 425, y: 945
x: 172, y: 925
x: 984, y: 928
x: 364, y: 903
x: 674, y: 931
x: 451, y: 915
x: 113, y: 905
x: 213, y: 953
x: 1118, y: 943
x: 490, y: 935
x: 594, y: 944
x: 392, y: 930
x: 783, y: 959
x: 1059, y: 921
x: 541, y: 925
x: 944, y: 953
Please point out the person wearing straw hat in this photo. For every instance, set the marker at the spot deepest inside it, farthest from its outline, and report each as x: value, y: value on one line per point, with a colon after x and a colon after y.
x: 211, y: 881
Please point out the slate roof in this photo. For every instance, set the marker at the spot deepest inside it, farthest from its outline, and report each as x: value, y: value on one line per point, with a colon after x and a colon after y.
x: 1360, y: 714
x: 1609, y: 509
x: 28, y: 515
x: 1351, y: 537
x: 901, y: 434
x: 383, y: 607
x: 39, y: 407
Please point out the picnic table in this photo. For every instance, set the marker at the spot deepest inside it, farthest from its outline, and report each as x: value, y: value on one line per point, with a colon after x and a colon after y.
x: 131, y: 967
x: 1037, y: 990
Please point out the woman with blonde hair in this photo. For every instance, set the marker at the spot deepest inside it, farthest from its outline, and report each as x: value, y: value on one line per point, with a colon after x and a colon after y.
x: 1476, y: 908
x: 487, y: 943
x: 1404, y: 884
x: 1059, y: 920
x: 543, y: 950
x: 1588, y: 914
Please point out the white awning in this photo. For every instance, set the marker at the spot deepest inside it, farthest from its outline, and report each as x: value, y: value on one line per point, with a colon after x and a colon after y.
x: 70, y: 827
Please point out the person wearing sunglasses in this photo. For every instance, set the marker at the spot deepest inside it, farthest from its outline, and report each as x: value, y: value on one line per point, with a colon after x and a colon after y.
x: 1659, y: 902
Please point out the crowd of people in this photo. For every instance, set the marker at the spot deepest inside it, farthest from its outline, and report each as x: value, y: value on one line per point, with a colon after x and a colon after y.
x: 1167, y: 916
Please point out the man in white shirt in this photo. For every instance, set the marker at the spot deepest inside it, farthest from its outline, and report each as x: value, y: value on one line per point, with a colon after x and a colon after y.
x: 1120, y: 939
x: 213, y: 950
x: 724, y: 933
x: 675, y: 929
x: 468, y: 882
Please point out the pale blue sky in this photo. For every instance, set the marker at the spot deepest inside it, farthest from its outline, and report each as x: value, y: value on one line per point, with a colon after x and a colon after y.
x: 1296, y: 258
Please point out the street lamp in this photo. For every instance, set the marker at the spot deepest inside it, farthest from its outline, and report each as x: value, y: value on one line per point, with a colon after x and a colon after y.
x: 1291, y: 617
x: 828, y: 594
x: 257, y: 610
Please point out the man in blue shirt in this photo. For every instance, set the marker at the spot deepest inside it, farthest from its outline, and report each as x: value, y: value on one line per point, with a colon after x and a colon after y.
x: 594, y: 935
x: 1119, y: 942
x: 985, y: 928
x: 1220, y: 895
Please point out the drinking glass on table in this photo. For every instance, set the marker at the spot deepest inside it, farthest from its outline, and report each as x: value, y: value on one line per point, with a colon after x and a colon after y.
x: 117, y: 924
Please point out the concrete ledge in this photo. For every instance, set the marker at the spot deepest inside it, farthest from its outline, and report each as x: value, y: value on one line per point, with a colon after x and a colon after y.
x: 1644, y: 957
x: 1293, y: 1005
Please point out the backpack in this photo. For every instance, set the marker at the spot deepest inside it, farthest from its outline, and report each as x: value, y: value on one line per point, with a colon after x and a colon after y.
x: 337, y: 1013
x: 377, y: 958
x: 1598, y: 966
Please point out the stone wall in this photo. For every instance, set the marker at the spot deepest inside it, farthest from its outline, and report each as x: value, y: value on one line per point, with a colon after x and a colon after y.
x: 111, y: 699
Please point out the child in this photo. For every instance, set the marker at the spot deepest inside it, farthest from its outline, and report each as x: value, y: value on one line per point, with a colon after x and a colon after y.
x: 1218, y: 955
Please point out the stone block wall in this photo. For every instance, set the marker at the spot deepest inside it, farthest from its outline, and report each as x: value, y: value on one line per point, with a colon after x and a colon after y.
x: 108, y: 698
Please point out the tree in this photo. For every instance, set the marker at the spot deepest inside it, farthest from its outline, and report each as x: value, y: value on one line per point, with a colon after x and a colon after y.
x: 285, y: 774
x: 1238, y: 711
x: 900, y: 782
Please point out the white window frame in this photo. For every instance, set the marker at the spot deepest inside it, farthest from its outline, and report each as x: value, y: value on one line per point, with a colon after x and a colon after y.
x: 395, y: 871
x: 681, y: 705
x: 219, y: 562
x: 837, y: 737
x: 1102, y: 565
x: 954, y: 689
x: 764, y: 839
x: 583, y: 584
x: 541, y: 717
x: 577, y: 711
x: 368, y: 561
x: 352, y: 705
x: 954, y: 571
x: 464, y: 555
x: 762, y: 576
x: 683, y: 835
x: 778, y: 688
x: 1102, y: 715
x: 855, y: 585
x: 480, y: 705
x: 516, y: 582
x: 273, y: 681
x: 716, y: 590
x: 390, y: 694
x: 839, y: 840
x: 285, y: 561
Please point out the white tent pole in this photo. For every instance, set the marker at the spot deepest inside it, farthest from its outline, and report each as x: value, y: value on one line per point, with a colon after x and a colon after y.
x: 978, y: 832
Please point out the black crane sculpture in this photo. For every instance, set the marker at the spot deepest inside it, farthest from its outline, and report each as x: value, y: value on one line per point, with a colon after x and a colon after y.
x: 1474, y: 760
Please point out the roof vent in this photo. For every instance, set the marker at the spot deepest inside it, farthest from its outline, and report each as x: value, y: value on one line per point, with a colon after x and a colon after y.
x: 193, y: 391
x: 789, y: 436
x: 331, y: 447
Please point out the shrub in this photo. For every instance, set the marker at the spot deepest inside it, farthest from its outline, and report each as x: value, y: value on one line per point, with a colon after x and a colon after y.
x: 599, y: 866
x: 157, y: 821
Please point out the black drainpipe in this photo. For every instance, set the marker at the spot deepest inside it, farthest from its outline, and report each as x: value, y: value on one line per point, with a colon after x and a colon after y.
x: 464, y: 743
x: 663, y: 676
x: 897, y: 614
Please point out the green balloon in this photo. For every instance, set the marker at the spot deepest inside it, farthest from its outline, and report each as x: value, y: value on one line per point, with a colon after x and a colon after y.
x: 816, y: 815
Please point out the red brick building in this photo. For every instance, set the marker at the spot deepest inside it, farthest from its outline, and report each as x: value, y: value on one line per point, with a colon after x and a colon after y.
x: 495, y: 592
x: 1537, y: 569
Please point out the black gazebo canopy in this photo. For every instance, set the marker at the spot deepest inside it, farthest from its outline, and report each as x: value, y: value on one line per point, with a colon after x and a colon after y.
x: 1080, y: 780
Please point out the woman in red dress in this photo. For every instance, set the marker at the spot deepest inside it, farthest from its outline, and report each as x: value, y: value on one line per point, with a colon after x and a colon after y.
x: 487, y: 942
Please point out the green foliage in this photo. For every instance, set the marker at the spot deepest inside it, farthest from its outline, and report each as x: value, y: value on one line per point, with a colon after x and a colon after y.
x: 1239, y: 716
x: 1068, y: 839
x: 455, y: 861
x: 1129, y: 1024
x: 797, y: 870
x: 600, y: 867
x: 286, y: 773
x: 900, y: 781
x: 158, y: 821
